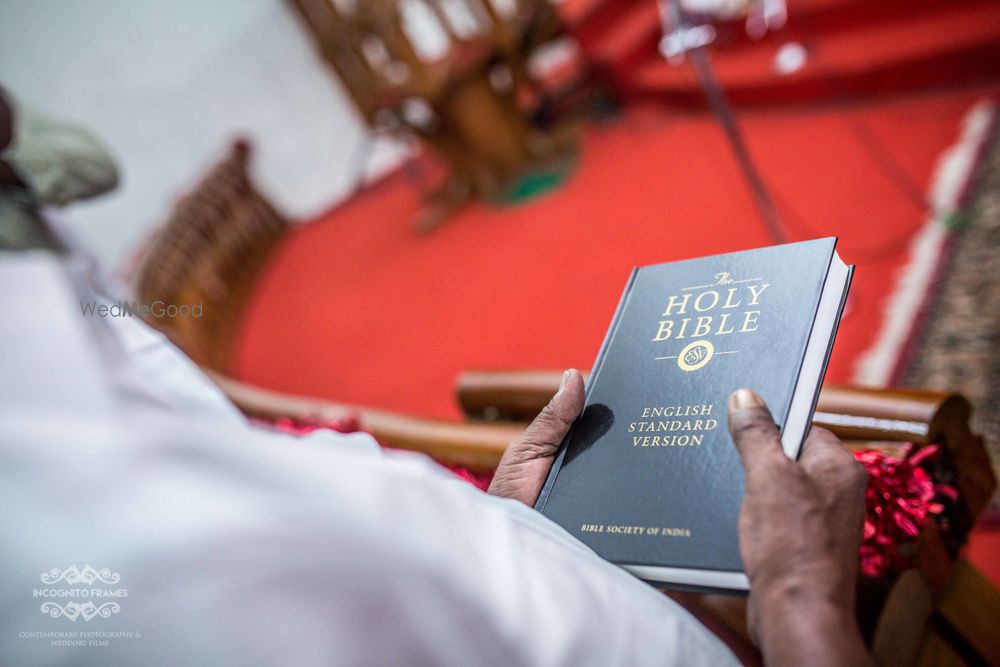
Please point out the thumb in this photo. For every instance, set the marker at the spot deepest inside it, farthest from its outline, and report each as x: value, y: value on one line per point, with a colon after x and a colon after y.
x: 546, y: 432
x: 528, y: 459
x: 754, y: 432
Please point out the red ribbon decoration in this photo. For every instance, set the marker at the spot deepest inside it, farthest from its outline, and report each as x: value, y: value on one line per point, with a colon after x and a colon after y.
x: 900, y: 502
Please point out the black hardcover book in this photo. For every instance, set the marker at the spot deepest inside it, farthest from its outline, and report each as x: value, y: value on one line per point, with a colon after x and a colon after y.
x: 648, y: 475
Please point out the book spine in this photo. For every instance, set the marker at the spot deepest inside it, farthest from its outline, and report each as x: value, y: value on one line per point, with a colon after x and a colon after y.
x: 543, y: 496
x: 829, y: 347
x: 802, y: 356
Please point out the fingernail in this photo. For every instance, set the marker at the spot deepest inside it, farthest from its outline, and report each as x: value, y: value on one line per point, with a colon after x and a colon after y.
x: 565, y: 379
x: 744, y: 398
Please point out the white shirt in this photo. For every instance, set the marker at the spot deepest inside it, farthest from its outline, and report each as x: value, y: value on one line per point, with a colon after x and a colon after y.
x: 239, y: 546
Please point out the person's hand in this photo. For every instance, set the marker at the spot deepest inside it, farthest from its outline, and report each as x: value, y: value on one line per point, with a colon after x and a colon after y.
x: 800, y: 528
x: 526, y: 462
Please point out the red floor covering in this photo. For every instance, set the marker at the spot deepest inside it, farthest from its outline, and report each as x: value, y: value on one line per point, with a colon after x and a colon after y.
x: 357, y: 308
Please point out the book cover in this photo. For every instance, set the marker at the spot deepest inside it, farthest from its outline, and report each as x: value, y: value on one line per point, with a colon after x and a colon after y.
x: 648, y: 475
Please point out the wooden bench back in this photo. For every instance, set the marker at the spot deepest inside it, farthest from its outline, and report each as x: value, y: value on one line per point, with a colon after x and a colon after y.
x: 210, y: 252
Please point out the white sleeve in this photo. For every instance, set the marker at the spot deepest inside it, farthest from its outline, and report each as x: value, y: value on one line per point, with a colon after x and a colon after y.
x: 237, y: 547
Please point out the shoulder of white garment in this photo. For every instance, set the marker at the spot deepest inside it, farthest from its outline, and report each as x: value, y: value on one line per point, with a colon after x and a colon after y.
x: 59, y: 353
x: 160, y: 367
x: 328, y: 537
x: 48, y: 348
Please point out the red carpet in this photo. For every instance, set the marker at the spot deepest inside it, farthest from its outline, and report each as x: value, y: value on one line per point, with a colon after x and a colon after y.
x: 357, y: 308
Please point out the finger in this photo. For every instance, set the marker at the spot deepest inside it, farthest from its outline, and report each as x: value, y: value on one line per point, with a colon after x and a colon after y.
x: 754, y: 432
x: 823, y: 453
x: 545, y: 433
x: 842, y: 482
x: 825, y: 459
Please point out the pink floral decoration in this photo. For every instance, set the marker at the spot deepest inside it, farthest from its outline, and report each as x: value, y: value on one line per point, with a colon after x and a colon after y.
x: 306, y: 426
x: 901, y: 500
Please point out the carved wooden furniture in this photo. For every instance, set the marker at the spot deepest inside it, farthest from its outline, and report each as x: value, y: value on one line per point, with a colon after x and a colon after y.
x: 209, y: 251
x: 464, y: 103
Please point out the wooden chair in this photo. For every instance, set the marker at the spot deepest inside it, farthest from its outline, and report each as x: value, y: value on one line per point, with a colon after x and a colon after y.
x: 210, y: 249
x: 458, y: 103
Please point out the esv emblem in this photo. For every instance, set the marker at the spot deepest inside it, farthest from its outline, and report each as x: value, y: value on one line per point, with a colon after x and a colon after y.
x: 695, y: 355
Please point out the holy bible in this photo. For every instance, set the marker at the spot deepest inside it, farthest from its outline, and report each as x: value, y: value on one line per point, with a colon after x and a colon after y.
x: 648, y: 475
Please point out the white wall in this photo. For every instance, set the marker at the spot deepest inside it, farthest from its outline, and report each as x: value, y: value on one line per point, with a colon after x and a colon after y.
x: 168, y: 85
